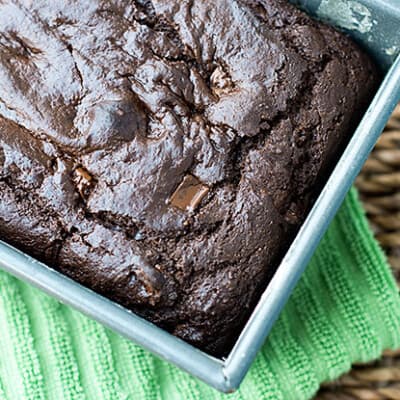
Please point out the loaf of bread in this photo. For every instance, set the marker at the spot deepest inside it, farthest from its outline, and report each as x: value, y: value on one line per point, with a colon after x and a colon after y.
x: 164, y: 153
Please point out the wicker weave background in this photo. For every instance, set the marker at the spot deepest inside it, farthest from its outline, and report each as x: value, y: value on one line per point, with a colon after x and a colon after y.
x: 379, y: 186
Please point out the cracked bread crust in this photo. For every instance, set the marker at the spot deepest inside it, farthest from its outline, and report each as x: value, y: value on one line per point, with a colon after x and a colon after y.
x: 164, y: 153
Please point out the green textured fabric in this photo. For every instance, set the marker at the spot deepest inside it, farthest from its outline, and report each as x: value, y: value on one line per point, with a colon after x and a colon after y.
x: 345, y: 309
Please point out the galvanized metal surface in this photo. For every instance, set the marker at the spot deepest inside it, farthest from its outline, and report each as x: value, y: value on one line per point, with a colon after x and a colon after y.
x: 375, y: 24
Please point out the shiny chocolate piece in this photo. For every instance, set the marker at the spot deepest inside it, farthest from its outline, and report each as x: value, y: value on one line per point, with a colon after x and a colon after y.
x: 221, y: 82
x: 83, y: 180
x: 189, y: 194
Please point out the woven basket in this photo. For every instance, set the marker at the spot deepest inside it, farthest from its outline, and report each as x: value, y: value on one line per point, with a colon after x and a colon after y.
x: 379, y: 186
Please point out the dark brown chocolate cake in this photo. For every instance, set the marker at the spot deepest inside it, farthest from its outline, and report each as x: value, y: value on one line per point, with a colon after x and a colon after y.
x: 163, y: 153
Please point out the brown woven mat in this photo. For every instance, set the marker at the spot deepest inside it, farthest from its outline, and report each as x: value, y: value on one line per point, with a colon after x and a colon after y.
x: 379, y: 186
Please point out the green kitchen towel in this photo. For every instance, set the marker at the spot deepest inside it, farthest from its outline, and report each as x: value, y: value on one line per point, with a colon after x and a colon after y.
x: 345, y: 309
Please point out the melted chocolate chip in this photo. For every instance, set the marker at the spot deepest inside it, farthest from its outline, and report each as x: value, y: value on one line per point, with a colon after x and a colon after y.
x: 221, y: 82
x: 189, y: 194
x: 83, y: 181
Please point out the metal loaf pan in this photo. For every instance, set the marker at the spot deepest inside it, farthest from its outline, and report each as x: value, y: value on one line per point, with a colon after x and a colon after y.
x: 376, y: 25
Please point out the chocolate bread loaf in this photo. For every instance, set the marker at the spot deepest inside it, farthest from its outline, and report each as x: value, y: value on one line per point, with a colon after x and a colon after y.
x: 164, y: 152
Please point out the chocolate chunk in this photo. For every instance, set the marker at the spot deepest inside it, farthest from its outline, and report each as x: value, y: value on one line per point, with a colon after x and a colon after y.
x: 221, y: 82
x: 83, y: 181
x: 189, y: 194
